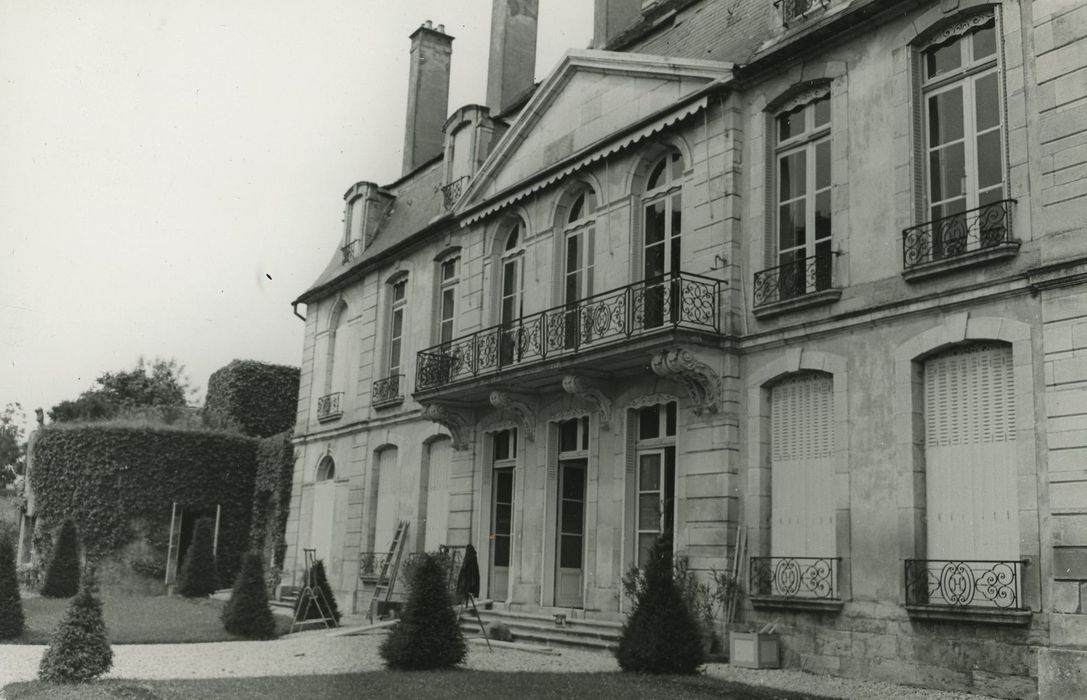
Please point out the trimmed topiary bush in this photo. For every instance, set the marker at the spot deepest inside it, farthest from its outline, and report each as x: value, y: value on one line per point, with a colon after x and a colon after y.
x: 62, y: 574
x: 660, y: 636
x: 427, y: 636
x: 199, y: 576
x: 320, y: 579
x: 254, y: 398
x: 247, y: 613
x: 79, y: 650
x: 11, y: 605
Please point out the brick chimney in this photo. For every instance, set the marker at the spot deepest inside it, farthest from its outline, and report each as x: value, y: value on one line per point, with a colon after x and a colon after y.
x: 512, y: 66
x: 611, y: 17
x: 428, y: 94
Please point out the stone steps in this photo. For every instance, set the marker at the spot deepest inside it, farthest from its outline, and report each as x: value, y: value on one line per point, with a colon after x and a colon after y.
x: 541, y: 628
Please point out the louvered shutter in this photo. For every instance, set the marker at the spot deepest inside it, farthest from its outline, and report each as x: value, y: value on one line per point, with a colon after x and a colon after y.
x: 802, y: 467
x: 970, y: 455
x: 437, y: 503
x: 387, y: 500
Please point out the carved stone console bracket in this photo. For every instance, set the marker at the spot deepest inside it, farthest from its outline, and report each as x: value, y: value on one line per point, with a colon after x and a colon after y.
x: 458, y: 423
x: 585, y: 389
x: 516, y: 407
x: 701, y: 382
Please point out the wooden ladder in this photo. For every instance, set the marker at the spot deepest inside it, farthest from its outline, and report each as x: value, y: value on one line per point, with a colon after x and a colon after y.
x: 390, y: 566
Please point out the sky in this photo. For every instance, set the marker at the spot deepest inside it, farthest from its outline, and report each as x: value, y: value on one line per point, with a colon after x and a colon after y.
x: 172, y: 173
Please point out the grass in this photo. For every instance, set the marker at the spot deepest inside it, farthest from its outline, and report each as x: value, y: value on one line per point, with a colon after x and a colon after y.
x: 136, y: 620
x: 473, y: 685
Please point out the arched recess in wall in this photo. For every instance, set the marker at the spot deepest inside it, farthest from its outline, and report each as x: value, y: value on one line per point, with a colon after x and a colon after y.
x: 964, y: 414
x: 384, y: 498
x: 798, y: 433
x: 336, y: 360
x: 323, y: 515
x: 434, y: 493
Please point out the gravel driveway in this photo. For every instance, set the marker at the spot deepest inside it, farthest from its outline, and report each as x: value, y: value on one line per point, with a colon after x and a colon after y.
x: 316, y: 653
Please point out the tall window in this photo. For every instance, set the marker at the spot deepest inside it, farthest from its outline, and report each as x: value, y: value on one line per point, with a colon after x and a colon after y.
x: 656, y: 488
x: 398, y: 303
x: 579, y: 235
x: 504, y: 455
x: 448, y: 277
x: 963, y: 139
x: 803, y: 202
x: 511, y: 303
x: 662, y: 227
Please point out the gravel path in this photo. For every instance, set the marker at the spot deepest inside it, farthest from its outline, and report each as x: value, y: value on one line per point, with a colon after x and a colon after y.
x: 312, y: 653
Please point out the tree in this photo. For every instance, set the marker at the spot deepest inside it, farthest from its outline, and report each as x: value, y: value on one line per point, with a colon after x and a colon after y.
x: 11, y: 605
x: 660, y: 636
x: 160, y: 383
x: 428, y: 635
x: 320, y: 580
x: 79, y: 650
x: 62, y: 574
x: 247, y: 613
x: 199, y: 576
x: 12, y: 444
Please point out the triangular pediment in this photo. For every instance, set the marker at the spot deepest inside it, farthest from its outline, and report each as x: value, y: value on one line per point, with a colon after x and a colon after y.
x: 588, y: 98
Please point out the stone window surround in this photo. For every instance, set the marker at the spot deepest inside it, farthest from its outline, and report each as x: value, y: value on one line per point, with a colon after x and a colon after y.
x: 908, y: 400
x: 790, y: 362
x: 483, y: 518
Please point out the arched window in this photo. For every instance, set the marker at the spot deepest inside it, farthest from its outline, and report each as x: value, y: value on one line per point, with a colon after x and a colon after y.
x: 326, y: 470
x: 336, y: 361
x: 511, y: 293
x: 579, y: 240
x: 662, y: 235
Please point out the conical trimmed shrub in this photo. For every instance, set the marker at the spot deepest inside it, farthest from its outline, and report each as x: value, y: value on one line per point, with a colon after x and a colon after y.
x: 62, y: 574
x: 11, y: 605
x: 247, y: 613
x: 427, y: 636
x: 199, y: 576
x: 320, y: 580
x: 79, y: 650
x: 660, y: 636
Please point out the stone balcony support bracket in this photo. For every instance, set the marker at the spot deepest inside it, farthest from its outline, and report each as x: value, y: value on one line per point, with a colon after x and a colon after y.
x: 457, y: 422
x: 584, y: 388
x: 700, y: 381
x: 516, y: 407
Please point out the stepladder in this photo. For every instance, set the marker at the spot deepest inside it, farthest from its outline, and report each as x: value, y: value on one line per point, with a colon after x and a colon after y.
x: 389, y: 569
x: 312, y: 596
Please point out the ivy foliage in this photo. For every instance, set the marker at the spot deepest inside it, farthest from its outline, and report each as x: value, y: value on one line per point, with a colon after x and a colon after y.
x: 62, y: 574
x: 252, y: 397
x: 105, y: 476
x: 247, y: 613
x: 272, y: 494
x: 11, y: 605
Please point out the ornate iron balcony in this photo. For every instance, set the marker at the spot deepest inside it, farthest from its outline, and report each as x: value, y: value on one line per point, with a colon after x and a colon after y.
x: 794, y: 279
x: 370, y: 564
x: 958, y: 234
x: 452, y: 192
x: 351, y: 251
x: 329, y: 407
x: 964, y: 583
x: 795, y: 577
x: 792, y: 10
x: 683, y: 300
x: 387, y: 390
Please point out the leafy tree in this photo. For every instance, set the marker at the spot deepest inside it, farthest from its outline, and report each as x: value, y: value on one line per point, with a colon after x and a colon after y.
x: 11, y: 605
x: 320, y: 580
x: 660, y: 636
x: 247, y: 613
x: 79, y: 651
x: 428, y: 636
x: 160, y: 383
x: 12, y: 444
x: 199, y: 576
x: 62, y: 574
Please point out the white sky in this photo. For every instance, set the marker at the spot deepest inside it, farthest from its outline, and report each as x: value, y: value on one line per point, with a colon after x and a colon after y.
x: 171, y: 173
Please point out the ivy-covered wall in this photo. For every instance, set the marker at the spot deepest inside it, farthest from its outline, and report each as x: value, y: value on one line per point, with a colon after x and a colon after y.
x: 252, y: 397
x: 271, y: 496
x: 116, y: 479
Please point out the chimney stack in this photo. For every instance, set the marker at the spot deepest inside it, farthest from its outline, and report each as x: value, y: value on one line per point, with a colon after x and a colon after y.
x: 428, y: 94
x: 611, y: 17
x: 512, y: 66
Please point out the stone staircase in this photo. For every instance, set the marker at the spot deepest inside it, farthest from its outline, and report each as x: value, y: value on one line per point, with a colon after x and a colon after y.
x: 543, y: 628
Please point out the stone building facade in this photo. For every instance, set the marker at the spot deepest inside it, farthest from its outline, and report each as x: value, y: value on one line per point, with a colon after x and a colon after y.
x: 807, y: 275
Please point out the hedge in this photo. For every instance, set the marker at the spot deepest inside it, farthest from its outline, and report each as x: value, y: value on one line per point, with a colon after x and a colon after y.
x: 272, y: 493
x: 104, y: 476
x: 253, y: 398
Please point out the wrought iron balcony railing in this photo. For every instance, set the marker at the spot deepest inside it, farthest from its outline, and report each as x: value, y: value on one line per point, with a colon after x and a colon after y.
x: 964, y: 583
x: 452, y: 192
x: 794, y: 279
x: 351, y: 251
x: 795, y: 577
x: 958, y: 234
x: 370, y: 564
x: 388, y: 390
x: 330, y: 406
x: 683, y: 300
x: 792, y: 10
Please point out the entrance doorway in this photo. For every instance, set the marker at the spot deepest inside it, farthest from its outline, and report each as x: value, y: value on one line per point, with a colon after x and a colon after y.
x: 501, y: 533
x: 569, y: 574
x: 182, y: 529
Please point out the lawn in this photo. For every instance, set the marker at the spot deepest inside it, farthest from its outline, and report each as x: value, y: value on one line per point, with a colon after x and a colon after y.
x: 133, y: 620
x: 471, y: 685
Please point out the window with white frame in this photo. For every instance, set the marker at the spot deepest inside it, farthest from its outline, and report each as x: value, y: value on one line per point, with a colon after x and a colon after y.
x: 802, y: 197
x: 511, y: 293
x: 579, y: 236
x: 655, y: 448
x: 662, y: 237
x: 448, y: 278
x: 397, y: 308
